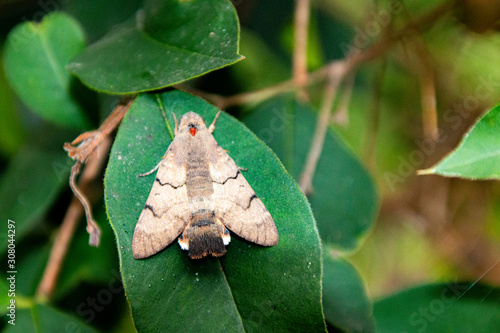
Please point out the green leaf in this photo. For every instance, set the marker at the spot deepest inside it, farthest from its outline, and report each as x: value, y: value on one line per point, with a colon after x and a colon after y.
x: 451, y: 307
x: 29, y: 186
x: 43, y: 318
x: 344, y: 200
x: 31, y: 260
x: 97, y: 17
x: 345, y: 302
x: 35, y: 59
x: 169, y: 42
x: 12, y: 132
x: 250, y: 288
x: 255, y: 73
x: 4, y: 295
x: 478, y: 154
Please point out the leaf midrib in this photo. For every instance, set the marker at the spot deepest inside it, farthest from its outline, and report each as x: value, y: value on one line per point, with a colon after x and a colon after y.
x: 54, y: 64
x: 470, y: 161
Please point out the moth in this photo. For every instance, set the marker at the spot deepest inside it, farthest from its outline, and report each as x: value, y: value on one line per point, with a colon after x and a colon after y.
x: 198, y: 195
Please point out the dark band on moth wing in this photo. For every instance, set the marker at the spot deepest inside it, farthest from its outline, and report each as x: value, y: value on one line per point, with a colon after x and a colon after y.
x: 254, y: 196
x: 167, y: 183
x: 146, y: 206
x: 234, y: 177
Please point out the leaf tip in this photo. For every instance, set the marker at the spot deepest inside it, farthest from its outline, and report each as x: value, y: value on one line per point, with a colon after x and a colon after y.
x: 428, y: 171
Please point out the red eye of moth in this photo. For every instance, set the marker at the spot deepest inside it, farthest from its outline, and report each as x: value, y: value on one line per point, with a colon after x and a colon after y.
x: 192, y: 130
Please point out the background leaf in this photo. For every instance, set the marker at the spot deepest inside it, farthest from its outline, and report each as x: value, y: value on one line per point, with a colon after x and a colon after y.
x: 29, y: 186
x: 451, y: 307
x: 35, y: 58
x: 89, y: 264
x: 254, y: 73
x: 478, y: 155
x: 12, y: 132
x: 345, y: 302
x: 43, y: 318
x: 344, y: 198
x: 251, y: 287
x: 178, y: 40
x: 98, y: 17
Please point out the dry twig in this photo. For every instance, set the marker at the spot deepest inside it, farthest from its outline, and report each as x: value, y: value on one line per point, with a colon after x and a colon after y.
x: 342, y: 67
x: 68, y: 226
x: 86, y: 145
x: 319, y: 135
x: 301, y: 26
x: 374, y: 119
x: 341, y: 115
x: 425, y: 75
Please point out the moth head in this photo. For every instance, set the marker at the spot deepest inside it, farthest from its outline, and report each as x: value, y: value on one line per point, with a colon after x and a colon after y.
x: 191, y: 123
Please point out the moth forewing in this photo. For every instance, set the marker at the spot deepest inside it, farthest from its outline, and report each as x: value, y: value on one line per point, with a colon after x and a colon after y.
x: 199, y: 192
x: 162, y: 221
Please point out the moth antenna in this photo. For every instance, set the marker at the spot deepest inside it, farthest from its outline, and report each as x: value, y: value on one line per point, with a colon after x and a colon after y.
x: 211, y: 128
x: 175, y: 121
x: 150, y: 171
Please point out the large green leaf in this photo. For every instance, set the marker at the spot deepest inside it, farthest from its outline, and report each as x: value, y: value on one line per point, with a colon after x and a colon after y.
x: 451, y: 307
x: 344, y: 199
x: 35, y: 59
x: 43, y: 318
x: 167, y: 43
x: 251, y: 288
x: 28, y: 187
x: 478, y: 155
x: 345, y: 302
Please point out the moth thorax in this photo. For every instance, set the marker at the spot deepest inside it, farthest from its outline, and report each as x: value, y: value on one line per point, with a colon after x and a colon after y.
x: 203, y: 237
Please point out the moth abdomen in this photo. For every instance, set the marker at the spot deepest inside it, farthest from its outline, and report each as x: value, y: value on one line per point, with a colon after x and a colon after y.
x: 204, y: 235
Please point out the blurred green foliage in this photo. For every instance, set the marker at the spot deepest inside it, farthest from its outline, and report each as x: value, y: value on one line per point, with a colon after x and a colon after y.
x: 375, y: 247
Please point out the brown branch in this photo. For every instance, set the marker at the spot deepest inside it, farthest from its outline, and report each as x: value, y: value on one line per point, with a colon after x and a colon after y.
x: 319, y: 135
x: 341, y: 115
x: 301, y: 25
x: 374, y: 120
x: 92, y: 226
x: 344, y: 66
x: 87, y: 144
x: 428, y: 102
x: 350, y: 63
x: 73, y: 214
x: 98, y: 141
x: 425, y: 75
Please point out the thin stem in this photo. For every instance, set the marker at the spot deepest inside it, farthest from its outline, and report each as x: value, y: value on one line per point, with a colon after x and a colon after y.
x: 348, y: 64
x: 319, y: 135
x: 341, y: 115
x: 301, y: 25
x: 73, y: 215
x: 425, y: 75
x: 167, y: 122
x: 87, y: 143
x: 374, y: 117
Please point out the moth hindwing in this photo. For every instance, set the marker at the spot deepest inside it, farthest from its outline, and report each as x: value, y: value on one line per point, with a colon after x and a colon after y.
x: 198, y: 196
